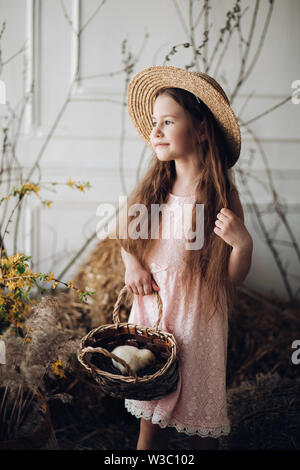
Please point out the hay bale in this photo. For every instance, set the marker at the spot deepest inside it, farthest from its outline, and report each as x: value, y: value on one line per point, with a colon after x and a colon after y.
x: 103, y: 272
x: 265, y: 414
x: 25, y: 422
x: 260, y: 338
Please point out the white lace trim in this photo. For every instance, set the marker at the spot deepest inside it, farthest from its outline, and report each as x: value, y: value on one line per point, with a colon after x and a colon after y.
x: 190, y: 430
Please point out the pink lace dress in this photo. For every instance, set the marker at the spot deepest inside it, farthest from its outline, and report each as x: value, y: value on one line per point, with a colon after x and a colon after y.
x: 198, y: 405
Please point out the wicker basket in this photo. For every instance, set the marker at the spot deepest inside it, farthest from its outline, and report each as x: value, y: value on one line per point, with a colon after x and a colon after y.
x: 150, y: 383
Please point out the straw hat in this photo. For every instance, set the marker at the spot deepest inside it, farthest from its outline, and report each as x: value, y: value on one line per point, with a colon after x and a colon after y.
x: 144, y: 85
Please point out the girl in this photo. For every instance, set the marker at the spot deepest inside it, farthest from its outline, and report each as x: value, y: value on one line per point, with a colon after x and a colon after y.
x: 187, y: 120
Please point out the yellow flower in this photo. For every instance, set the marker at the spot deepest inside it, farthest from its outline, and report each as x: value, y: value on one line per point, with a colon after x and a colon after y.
x: 30, y: 187
x: 70, y: 182
x: 11, y: 285
x: 54, y: 284
x: 70, y: 285
x: 58, y: 369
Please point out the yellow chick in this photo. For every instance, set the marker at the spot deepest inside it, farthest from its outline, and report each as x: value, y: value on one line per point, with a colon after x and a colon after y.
x: 136, y: 358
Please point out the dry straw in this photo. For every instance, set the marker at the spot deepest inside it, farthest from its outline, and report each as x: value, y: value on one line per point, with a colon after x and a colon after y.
x: 157, y: 380
x: 145, y: 84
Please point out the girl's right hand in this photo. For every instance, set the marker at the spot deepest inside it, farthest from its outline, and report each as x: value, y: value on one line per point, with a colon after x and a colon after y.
x: 139, y: 281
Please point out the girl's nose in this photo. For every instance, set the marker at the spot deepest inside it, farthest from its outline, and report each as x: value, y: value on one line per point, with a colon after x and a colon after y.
x: 157, y: 130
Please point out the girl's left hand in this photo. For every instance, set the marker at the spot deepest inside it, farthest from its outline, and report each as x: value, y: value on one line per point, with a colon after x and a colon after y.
x: 232, y: 230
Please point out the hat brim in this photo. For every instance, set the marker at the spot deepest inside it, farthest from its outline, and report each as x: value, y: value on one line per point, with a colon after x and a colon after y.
x: 145, y: 84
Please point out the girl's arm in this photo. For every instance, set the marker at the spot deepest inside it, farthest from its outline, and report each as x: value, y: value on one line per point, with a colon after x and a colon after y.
x: 128, y: 258
x: 241, y: 255
x: 137, y: 279
x: 230, y: 226
x: 240, y: 263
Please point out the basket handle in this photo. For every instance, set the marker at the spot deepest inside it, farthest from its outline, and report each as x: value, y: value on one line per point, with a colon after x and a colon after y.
x: 90, y: 349
x: 116, y: 318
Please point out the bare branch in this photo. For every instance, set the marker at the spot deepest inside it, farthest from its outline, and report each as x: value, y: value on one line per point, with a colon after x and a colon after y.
x: 181, y: 18
x: 247, y: 49
x: 261, y: 42
x: 91, y: 17
x: 269, y: 110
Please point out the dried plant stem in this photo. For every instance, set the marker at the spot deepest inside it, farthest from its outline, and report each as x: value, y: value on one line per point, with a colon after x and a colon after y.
x: 246, y: 52
x: 122, y: 140
x: 129, y: 62
x: 261, y: 42
x: 52, y: 130
x: 277, y: 204
x: 259, y: 297
x: 139, y: 166
x: 269, y: 110
x: 206, y: 23
x: 192, y: 36
x: 181, y: 17
x: 8, y: 222
x: 199, y: 16
x: 268, y: 239
x: 226, y: 45
x: 221, y: 57
x: 16, y: 227
x: 77, y: 255
x: 5, y: 62
x: 85, y: 245
x: 91, y: 17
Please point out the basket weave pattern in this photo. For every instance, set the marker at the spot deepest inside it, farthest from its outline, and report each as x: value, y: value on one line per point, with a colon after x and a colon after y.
x: 95, y: 355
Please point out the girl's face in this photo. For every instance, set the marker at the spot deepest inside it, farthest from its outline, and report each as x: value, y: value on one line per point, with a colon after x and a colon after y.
x: 170, y: 136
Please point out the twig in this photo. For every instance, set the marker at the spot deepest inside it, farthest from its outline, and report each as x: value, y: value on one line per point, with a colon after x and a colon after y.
x: 192, y: 36
x: 206, y: 21
x: 5, y: 62
x: 269, y: 242
x: 261, y: 42
x: 8, y: 222
x: 230, y: 31
x: 181, y: 17
x: 78, y: 253
x: 91, y: 17
x: 89, y: 435
x: 199, y: 16
x: 68, y: 18
x: 139, y: 166
x: 277, y: 205
x: 85, y: 245
x: 223, y: 53
x: 259, y: 297
x: 245, y: 56
x: 269, y: 110
x: 52, y: 130
x: 107, y: 74
x: 242, y: 109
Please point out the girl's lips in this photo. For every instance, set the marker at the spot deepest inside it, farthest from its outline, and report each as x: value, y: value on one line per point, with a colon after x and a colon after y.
x: 161, y: 145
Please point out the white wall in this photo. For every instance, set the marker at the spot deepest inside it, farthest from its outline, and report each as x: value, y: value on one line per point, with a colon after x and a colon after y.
x: 87, y: 143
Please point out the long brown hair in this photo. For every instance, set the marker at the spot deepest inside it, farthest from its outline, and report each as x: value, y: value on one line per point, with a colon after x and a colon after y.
x: 212, y: 190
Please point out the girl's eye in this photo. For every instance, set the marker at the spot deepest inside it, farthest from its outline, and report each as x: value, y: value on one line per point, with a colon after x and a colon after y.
x: 166, y: 121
